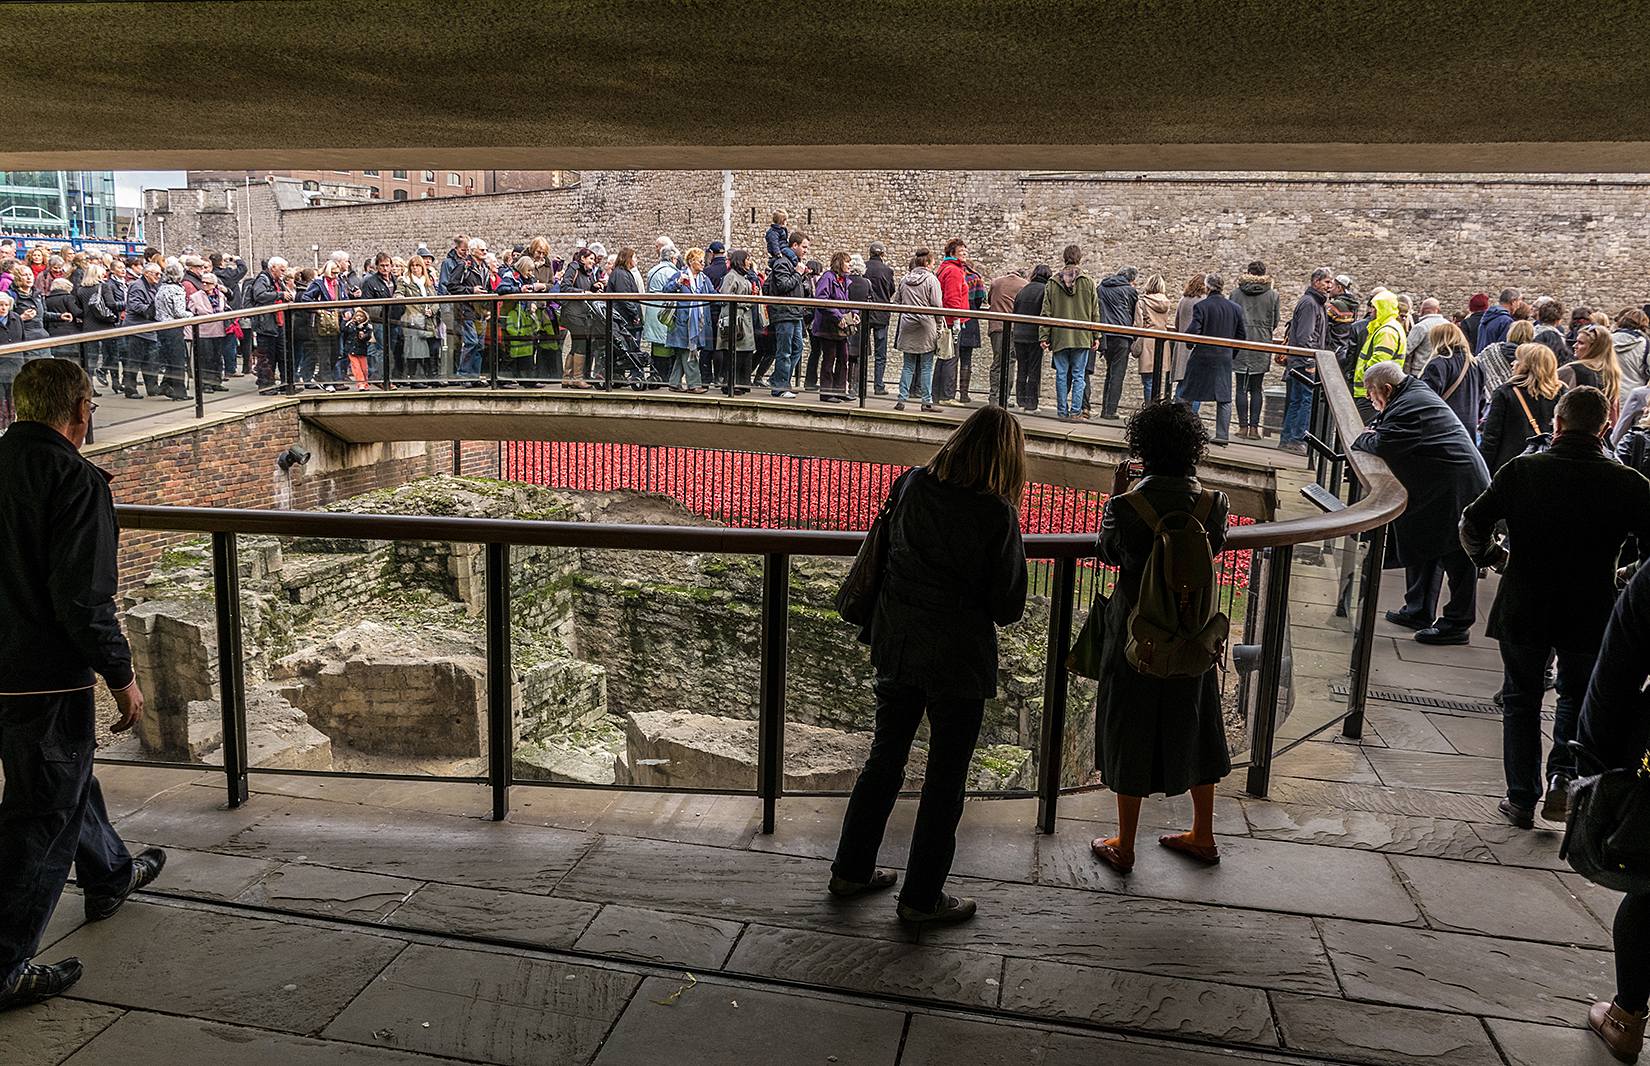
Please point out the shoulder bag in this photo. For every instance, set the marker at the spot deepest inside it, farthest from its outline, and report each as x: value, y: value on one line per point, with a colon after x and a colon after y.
x: 1466, y: 365
x: 856, y: 600
x: 1538, y: 441
x: 1607, y: 835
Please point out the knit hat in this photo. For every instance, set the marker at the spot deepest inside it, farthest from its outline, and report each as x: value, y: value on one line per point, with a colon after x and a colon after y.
x: 1479, y: 302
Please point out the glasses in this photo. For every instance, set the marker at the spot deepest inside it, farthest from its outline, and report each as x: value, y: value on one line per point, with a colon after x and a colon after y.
x: 93, y: 403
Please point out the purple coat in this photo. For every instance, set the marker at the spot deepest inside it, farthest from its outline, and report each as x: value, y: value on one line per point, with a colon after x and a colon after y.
x: 831, y: 286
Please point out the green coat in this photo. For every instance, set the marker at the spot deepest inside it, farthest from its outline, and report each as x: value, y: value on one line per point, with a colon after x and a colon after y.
x: 1064, y: 297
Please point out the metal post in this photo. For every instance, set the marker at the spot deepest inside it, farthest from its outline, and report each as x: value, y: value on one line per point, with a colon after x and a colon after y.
x: 195, y: 369
x: 386, y: 349
x: 458, y: 458
x: 289, y: 356
x: 501, y: 741
x: 1160, y: 351
x: 1271, y: 668
x: 492, y: 344
x: 607, y: 345
x: 864, y: 356
x: 1055, y: 679
x: 770, y: 732
x: 226, y: 590
x: 1364, y: 636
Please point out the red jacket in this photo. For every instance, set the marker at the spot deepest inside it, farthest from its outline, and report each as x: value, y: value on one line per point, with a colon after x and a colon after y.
x: 953, y: 288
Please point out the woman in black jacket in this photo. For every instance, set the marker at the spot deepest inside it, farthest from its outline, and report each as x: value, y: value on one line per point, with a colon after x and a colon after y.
x: 63, y: 314
x: 1028, y: 354
x: 627, y: 320
x: 1157, y: 734
x: 1509, y: 424
x: 955, y: 570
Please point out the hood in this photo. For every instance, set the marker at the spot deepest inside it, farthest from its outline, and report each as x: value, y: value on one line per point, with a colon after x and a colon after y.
x: 1115, y: 281
x: 1041, y: 273
x: 1068, y: 279
x: 1627, y: 340
x: 1386, y: 310
x: 916, y: 277
x: 1156, y: 302
x: 1252, y: 285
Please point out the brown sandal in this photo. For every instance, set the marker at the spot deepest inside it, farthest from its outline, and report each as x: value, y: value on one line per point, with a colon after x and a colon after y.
x: 1110, y: 856
x: 1176, y: 842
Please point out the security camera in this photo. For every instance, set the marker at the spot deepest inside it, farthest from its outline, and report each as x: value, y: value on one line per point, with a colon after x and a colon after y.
x: 293, y: 456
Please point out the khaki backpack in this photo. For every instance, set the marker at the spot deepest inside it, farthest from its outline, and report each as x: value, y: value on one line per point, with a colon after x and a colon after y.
x: 1174, y: 629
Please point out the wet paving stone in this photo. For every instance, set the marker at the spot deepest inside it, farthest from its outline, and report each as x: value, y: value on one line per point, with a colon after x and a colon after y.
x: 1471, y: 974
x: 491, y: 914
x: 877, y: 966
x: 659, y: 937
x: 1529, y: 904
x: 207, y: 874
x: 1512, y: 846
x: 488, y: 1007
x: 717, y: 1022
x: 1529, y: 1044
x: 937, y: 1041
x: 1118, y: 998
x: 1398, y: 834
x: 47, y: 1033
x: 222, y: 967
x: 1417, y: 802
x: 1365, y: 1032
x: 1438, y: 772
x: 332, y: 893
x: 143, y: 1039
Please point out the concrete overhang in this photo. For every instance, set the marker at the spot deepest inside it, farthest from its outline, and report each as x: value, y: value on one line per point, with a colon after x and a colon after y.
x: 1077, y: 459
x: 1403, y: 85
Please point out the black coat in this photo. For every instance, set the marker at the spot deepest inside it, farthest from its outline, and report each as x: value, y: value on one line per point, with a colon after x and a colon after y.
x: 1615, y: 718
x: 58, y: 628
x: 1029, y: 301
x: 1209, y: 367
x: 1435, y: 460
x: 1568, y: 510
x: 1467, y: 401
x: 1117, y: 300
x: 881, y: 277
x: 1505, y: 431
x: 956, y: 570
x: 59, y: 304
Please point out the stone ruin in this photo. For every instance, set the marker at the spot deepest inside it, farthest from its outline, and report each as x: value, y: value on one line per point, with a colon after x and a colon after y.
x: 629, y: 667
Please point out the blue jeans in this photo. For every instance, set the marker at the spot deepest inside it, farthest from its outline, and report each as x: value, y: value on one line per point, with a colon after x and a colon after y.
x: 1297, y: 415
x: 1523, y: 681
x: 787, y: 353
x: 470, y: 355
x: 919, y: 371
x: 879, y: 351
x: 230, y: 349
x: 954, y: 725
x: 375, y: 353
x: 1070, y: 366
x: 1145, y: 389
x: 53, y: 818
x: 1223, y: 417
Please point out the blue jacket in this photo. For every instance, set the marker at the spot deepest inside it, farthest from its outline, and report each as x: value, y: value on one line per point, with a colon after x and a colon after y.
x: 1493, y: 327
x: 779, y: 239
x: 693, y: 321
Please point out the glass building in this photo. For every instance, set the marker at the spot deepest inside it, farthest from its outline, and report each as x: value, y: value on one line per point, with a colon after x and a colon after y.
x: 57, y: 203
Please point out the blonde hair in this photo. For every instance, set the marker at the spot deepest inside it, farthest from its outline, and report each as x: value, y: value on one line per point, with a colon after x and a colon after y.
x: 987, y: 454
x: 1154, y: 285
x: 93, y: 275
x: 1447, y: 335
x: 1536, y: 368
x: 1601, y: 358
x: 694, y: 255
x: 538, y: 248
x: 1521, y: 332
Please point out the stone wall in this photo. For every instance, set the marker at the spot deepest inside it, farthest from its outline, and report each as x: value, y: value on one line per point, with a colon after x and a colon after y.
x: 230, y: 462
x: 1440, y: 235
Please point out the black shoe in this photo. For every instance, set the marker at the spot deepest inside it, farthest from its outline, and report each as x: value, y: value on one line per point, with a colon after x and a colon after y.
x: 1441, y: 635
x: 1522, y: 817
x: 145, y: 868
x: 130, y: 394
x: 38, y: 983
x: 1408, y: 621
x: 950, y: 909
x: 1555, y: 807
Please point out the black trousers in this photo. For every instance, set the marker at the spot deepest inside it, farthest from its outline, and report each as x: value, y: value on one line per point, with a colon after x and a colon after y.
x: 1424, y: 581
x: 1028, y: 373
x: 1632, y: 937
x: 51, y: 818
x: 954, y: 727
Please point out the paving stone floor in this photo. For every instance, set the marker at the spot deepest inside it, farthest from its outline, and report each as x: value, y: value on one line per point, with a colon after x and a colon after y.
x: 1373, y: 909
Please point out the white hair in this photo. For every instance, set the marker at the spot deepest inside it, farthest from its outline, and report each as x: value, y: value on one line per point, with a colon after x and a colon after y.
x: 276, y: 261
x: 339, y: 257
x: 1386, y: 373
x: 477, y: 244
x: 7, y: 299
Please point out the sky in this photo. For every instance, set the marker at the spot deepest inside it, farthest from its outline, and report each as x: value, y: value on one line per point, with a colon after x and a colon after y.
x: 129, y: 184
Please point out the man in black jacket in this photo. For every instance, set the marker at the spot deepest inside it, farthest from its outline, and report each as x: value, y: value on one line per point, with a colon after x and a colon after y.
x: 1117, y: 301
x: 142, y: 350
x: 1439, y: 466
x: 881, y: 277
x: 268, y: 289
x: 790, y: 321
x: 1308, y: 328
x: 1558, y: 587
x: 378, y: 285
x: 58, y: 635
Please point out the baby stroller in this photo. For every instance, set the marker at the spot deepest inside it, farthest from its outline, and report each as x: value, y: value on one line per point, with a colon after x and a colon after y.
x: 630, y: 366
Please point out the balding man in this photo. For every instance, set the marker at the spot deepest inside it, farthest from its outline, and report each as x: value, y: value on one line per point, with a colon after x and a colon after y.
x: 59, y: 634
x: 1419, y: 343
x: 1431, y: 455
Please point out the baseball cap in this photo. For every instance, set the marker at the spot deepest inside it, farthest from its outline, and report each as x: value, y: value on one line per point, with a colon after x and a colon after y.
x: 715, y: 247
x: 1345, y: 282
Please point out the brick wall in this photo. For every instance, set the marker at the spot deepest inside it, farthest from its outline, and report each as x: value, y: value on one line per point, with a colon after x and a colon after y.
x: 1442, y: 235
x: 231, y: 463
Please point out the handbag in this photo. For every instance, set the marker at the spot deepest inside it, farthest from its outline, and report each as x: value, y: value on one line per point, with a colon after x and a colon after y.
x: 856, y: 600
x: 947, y: 343
x: 412, y: 320
x: 1540, y: 442
x: 326, y: 322
x: 1607, y: 835
x: 846, y: 325
x: 1084, y: 658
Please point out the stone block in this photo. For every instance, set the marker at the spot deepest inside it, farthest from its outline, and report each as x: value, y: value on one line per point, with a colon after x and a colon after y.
x: 553, y: 762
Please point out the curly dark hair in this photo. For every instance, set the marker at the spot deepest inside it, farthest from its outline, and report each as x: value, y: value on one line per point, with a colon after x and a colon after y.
x: 1168, y: 435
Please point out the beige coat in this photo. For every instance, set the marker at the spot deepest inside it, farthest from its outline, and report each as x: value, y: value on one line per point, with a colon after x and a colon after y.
x: 1151, y: 311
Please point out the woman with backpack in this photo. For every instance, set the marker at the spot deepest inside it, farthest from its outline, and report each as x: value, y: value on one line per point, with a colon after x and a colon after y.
x: 955, y: 569
x: 1157, y: 734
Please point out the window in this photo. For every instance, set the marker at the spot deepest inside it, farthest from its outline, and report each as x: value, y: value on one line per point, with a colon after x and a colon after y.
x: 400, y: 194
x: 369, y: 173
x: 312, y: 186
x: 399, y: 175
x: 454, y: 179
x: 340, y: 172
x: 375, y: 194
x: 429, y: 177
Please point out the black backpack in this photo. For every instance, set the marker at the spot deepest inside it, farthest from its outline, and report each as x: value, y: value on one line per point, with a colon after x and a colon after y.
x: 1634, y: 451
